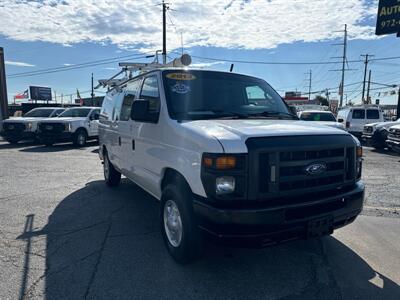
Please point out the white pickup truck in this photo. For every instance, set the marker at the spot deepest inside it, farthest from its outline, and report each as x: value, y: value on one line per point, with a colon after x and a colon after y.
x: 227, y: 160
x: 76, y: 125
x: 25, y: 128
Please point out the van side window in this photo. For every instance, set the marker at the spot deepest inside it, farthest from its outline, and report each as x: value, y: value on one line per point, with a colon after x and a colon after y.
x: 106, y: 109
x: 372, y: 114
x: 359, y: 114
x: 117, y: 106
x: 150, y: 92
x: 126, y: 107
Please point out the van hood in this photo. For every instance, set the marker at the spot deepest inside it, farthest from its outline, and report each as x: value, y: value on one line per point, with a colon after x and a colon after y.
x: 232, y: 134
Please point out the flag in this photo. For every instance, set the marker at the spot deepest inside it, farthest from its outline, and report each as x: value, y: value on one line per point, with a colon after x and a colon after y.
x: 23, y: 95
x: 78, y: 95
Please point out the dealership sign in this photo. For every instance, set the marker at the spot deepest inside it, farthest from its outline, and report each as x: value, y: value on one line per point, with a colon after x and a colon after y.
x: 388, y: 17
x: 40, y: 93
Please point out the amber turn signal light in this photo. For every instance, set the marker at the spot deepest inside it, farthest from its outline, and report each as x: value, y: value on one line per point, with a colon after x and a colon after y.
x: 225, y: 162
x: 359, y: 151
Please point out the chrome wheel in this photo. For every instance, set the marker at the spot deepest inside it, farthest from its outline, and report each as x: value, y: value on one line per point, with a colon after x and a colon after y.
x: 172, y: 223
x: 81, y: 139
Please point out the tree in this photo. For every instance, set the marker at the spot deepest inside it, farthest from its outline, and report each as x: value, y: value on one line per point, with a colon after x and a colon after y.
x: 322, y: 100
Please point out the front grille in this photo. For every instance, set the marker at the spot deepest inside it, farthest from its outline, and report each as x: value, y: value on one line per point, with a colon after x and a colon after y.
x: 51, y: 127
x: 394, y: 134
x: 14, y: 127
x: 284, y: 165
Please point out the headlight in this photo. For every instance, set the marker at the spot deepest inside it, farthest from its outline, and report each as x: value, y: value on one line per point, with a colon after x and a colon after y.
x: 224, y: 185
x: 224, y: 175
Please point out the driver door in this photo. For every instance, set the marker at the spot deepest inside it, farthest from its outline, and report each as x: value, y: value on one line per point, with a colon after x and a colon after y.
x: 94, y: 122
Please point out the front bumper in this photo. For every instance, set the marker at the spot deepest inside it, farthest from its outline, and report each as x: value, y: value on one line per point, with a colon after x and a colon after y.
x: 55, y: 137
x: 376, y: 139
x: 395, y: 145
x: 18, y: 135
x: 265, y: 226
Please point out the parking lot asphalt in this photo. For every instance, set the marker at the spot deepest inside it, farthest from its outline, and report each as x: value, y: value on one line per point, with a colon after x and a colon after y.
x: 65, y: 235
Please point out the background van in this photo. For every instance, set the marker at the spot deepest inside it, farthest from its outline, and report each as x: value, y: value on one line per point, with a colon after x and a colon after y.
x: 354, y: 118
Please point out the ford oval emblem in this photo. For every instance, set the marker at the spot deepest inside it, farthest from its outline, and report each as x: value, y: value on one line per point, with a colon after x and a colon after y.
x: 316, y: 168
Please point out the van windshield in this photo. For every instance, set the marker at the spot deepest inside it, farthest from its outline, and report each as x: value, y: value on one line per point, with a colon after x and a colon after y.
x: 197, y: 95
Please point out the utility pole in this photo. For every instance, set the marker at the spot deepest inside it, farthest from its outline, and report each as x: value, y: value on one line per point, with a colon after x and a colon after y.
x: 3, y: 88
x: 309, y: 85
x: 365, y: 75
x: 398, y: 104
x: 55, y: 96
x: 92, y: 90
x: 164, y: 52
x: 343, y: 65
x: 344, y: 62
x: 369, y: 86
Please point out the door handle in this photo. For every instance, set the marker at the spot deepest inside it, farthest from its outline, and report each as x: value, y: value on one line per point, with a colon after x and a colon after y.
x: 133, y: 145
x: 119, y: 140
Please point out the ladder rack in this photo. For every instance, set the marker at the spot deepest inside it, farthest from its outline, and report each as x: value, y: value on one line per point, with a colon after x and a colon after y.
x: 183, y: 61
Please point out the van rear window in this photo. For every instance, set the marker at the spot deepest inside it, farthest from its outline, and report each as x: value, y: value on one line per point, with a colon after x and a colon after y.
x: 359, y: 114
x: 373, y: 114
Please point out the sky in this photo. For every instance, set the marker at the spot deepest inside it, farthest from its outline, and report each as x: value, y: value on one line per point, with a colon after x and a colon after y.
x: 43, y: 34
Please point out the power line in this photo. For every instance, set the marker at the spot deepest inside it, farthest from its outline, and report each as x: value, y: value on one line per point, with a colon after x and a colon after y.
x: 76, y: 66
x: 289, y: 63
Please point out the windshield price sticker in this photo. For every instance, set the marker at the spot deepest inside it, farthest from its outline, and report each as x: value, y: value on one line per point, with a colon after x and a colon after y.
x: 181, y: 76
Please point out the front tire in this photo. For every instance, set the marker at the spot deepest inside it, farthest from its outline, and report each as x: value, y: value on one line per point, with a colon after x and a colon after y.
x: 111, y: 176
x: 179, y: 225
x: 80, y: 138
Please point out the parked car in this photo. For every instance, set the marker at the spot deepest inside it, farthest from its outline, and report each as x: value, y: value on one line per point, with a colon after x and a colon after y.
x: 376, y: 134
x: 322, y: 117
x: 227, y: 160
x: 25, y: 128
x: 356, y: 117
x: 77, y: 125
x: 393, y: 140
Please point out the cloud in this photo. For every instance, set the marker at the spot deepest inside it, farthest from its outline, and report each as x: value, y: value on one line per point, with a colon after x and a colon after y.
x: 18, y: 63
x: 68, y: 65
x: 243, y: 24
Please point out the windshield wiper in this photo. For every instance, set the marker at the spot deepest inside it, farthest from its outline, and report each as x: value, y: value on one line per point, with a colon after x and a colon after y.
x: 279, y: 114
x: 212, y: 114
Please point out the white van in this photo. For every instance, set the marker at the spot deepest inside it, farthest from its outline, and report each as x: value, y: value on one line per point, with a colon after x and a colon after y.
x: 227, y: 159
x: 356, y: 117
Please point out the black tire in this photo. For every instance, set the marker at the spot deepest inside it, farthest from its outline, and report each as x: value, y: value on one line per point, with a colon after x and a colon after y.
x: 80, y: 138
x: 190, y: 245
x: 111, y: 176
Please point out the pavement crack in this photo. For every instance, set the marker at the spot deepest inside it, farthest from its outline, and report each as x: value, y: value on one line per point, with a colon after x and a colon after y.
x: 100, y: 252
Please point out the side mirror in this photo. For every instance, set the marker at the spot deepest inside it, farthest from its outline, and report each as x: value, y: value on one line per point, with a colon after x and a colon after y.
x: 340, y: 120
x: 140, y: 112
